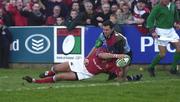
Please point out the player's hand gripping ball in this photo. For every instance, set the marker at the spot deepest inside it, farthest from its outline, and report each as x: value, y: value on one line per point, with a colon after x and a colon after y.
x: 124, y: 61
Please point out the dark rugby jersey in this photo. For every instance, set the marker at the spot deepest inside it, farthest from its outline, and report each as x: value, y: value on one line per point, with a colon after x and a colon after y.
x: 116, y: 44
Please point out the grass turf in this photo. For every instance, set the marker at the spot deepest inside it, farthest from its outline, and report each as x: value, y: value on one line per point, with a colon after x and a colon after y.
x: 163, y: 88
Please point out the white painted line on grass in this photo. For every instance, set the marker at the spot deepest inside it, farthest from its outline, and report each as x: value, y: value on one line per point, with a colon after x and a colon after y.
x: 4, y: 77
x: 86, y: 85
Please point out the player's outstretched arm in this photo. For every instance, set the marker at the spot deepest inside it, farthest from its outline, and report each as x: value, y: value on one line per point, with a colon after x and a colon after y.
x: 110, y: 55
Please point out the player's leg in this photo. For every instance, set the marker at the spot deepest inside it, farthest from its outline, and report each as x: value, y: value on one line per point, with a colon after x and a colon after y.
x: 137, y: 77
x: 156, y: 60
x: 69, y: 76
x: 125, y: 70
x: 124, y: 77
x: 1, y: 57
x: 58, y: 77
x: 63, y: 67
x: 112, y: 76
x: 5, y: 57
x: 173, y: 69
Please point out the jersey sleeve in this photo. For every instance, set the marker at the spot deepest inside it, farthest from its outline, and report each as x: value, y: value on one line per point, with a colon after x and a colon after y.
x: 152, y: 18
x: 98, y: 43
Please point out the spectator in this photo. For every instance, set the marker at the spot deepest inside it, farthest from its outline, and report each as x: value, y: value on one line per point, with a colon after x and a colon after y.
x: 6, y: 17
x: 121, y: 3
x: 177, y: 2
x: 114, y: 8
x: 35, y: 17
x: 153, y: 3
x: 124, y: 15
x: 99, y: 3
x: 104, y: 15
x: 149, y: 3
x: 114, y: 20
x: 14, y: 7
x: 60, y: 21
x: 73, y: 20
x: 49, y: 5
x: 88, y: 16
x: 51, y: 20
x: 140, y: 14
x: 68, y: 3
x: 98, y: 6
x: 5, y: 41
x: 31, y: 2
x: 76, y: 6
x: 177, y: 23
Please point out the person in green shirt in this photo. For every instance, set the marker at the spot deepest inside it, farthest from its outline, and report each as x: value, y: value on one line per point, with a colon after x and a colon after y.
x: 160, y: 22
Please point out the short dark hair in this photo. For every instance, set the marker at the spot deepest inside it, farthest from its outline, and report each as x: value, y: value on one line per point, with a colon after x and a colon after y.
x: 143, y: 1
x: 114, y: 15
x: 108, y: 23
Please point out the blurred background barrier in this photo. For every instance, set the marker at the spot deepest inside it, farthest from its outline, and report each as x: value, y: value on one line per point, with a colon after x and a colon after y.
x: 43, y: 44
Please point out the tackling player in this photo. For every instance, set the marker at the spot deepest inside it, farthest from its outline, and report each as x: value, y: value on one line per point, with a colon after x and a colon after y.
x: 114, y: 42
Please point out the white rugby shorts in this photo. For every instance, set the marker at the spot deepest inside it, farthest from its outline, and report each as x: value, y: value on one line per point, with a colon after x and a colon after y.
x: 79, y: 67
x: 166, y: 36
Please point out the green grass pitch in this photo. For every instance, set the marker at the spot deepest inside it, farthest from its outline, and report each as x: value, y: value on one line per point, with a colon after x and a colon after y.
x: 163, y: 88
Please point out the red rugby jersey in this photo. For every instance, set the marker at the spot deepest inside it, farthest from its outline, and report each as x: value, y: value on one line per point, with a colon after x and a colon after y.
x: 97, y: 65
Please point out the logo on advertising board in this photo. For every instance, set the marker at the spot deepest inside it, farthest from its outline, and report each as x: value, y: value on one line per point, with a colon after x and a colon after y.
x: 70, y: 44
x: 37, y: 44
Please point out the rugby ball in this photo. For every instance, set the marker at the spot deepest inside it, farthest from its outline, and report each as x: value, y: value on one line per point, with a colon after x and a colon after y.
x: 68, y: 44
x: 123, y: 61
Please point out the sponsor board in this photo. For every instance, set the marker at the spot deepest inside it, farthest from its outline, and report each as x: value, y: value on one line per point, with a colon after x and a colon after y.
x: 32, y: 45
x: 55, y: 45
x: 69, y: 45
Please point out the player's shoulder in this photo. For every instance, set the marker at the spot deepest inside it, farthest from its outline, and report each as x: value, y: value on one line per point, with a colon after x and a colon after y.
x: 157, y: 7
x: 101, y: 37
x: 119, y: 35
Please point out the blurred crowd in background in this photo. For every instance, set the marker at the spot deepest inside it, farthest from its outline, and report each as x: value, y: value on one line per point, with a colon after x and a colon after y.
x: 71, y: 13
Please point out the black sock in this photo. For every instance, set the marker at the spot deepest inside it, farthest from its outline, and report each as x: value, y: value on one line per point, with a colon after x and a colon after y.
x: 134, y: 78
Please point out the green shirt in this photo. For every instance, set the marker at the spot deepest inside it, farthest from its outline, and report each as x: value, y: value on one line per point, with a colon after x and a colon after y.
x: 162, y: 16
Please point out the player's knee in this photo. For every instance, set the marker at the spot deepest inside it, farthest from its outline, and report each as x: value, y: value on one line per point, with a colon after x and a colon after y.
x: 54, y: 68
x: 121, y: 74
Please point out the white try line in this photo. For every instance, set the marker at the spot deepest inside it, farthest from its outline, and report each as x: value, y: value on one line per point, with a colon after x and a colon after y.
x: 4, y: 77
x: 86, y: 85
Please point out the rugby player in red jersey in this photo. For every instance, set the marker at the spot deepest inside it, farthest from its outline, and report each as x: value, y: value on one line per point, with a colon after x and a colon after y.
x: 102, y: 59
